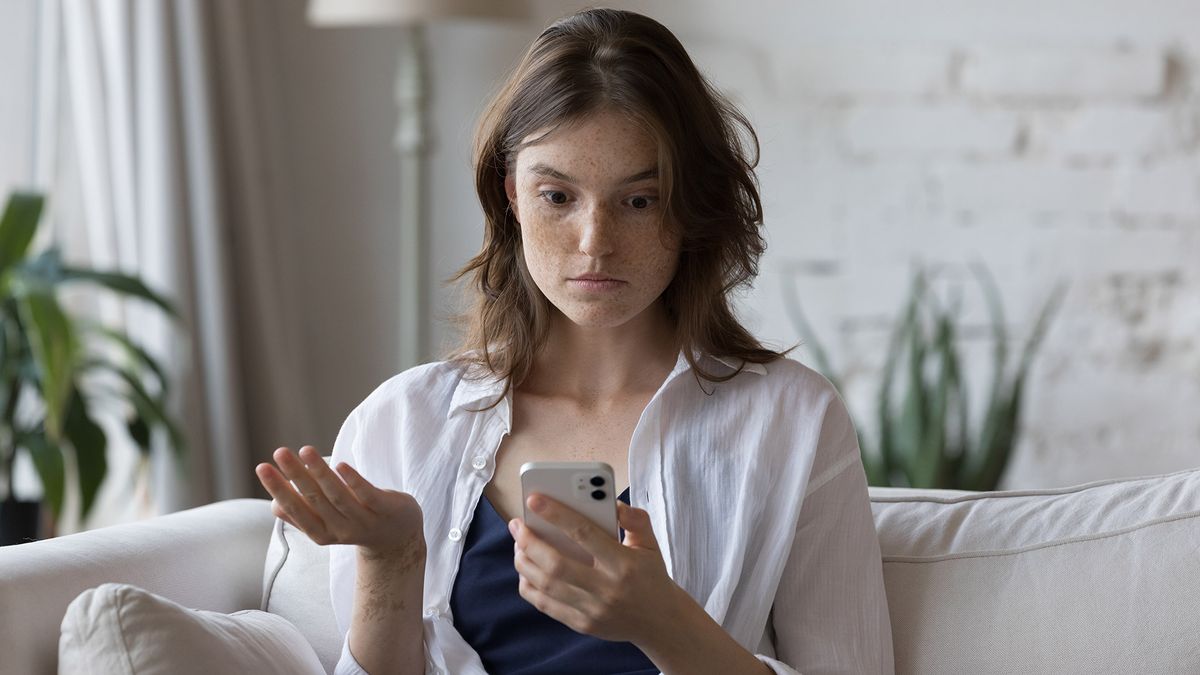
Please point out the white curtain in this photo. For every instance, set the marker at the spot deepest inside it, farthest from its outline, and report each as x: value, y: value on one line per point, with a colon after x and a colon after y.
x: 166, y: 165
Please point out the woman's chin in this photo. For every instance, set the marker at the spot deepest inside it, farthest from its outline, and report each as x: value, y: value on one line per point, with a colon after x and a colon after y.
x: 597, y: 322
x: 591, y: 319
x: 651, y: 318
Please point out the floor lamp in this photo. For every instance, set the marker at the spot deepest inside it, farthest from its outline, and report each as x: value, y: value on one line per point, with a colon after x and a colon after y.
x: 410, y: 139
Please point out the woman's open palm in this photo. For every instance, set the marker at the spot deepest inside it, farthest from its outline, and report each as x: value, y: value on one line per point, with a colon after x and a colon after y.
x: 340, y: 507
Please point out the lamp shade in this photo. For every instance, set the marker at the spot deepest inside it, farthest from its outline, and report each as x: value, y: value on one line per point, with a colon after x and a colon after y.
x: 367, y: 12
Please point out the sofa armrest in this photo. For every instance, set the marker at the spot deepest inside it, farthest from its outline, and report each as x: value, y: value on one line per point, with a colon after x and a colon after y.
x: 209, y: 557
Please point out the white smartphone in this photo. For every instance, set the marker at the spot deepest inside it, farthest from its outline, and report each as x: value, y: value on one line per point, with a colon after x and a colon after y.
x: 586, y: 487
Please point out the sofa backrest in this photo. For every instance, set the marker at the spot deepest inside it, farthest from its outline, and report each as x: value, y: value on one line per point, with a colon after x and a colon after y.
x: 1100, y: 577
x: 1096, y: 578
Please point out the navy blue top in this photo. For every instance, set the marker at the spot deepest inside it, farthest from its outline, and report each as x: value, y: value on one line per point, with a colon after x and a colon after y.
x: 511, y: 636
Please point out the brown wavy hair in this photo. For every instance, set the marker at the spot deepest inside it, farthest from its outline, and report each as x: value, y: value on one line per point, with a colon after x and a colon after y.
x: 605, y: 59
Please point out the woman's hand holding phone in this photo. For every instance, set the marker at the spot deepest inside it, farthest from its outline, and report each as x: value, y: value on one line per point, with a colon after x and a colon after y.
x: 624, y: 594
x: 341, y: 507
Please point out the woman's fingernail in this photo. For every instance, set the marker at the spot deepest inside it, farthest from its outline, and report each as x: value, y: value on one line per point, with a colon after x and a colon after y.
x: 512, y: 526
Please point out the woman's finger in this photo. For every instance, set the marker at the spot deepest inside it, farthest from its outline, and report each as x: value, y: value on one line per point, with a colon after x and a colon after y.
x: 548, y: 558
x: 275, y: 483
x: 562, y: 612
x: 295, y: 470
x: 553, y: 586
x: 366, y: 493
x: 334, y: 488
x: 293, y: 505
x: 278, y: 512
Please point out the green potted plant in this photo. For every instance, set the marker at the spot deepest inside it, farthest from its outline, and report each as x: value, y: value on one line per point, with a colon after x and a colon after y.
x: 925, y: 441
x: 45, y: 352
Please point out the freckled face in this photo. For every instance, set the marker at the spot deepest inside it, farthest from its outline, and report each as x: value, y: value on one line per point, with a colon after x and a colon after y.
x: 587, y: 200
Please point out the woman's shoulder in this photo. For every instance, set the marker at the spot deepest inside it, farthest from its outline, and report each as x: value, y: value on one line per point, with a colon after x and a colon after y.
x: 781, y: 376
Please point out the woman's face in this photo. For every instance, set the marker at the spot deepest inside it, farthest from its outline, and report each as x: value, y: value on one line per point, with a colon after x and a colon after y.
x: 587, y: 200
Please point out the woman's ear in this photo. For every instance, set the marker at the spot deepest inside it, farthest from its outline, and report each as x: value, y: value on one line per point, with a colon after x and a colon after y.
x: 510, y: 189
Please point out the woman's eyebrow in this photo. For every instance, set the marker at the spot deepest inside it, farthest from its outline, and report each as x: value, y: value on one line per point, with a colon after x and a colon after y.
x: 547, y: 171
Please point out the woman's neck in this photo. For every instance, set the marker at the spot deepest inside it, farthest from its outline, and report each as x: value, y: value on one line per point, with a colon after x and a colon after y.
x: 595, y: 365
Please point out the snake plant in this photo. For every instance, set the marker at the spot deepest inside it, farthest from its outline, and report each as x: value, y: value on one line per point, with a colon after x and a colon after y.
x: 924, y: 441
x: 45, y: 352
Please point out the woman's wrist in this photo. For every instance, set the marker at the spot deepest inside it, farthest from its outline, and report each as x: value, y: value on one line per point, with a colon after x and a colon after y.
x: 386, y: 634
x: 401, y: 558
x: 687, y: 640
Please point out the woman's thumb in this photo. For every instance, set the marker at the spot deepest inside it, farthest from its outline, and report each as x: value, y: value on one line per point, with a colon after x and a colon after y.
x: 636, y: 523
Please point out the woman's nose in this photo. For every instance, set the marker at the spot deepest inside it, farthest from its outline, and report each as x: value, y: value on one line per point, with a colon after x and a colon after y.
x: 596, y: 237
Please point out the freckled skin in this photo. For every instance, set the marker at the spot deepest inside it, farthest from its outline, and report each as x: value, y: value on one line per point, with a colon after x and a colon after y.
x: 601, y: 226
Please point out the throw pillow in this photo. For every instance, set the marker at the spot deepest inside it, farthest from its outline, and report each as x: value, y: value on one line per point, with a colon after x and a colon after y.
x: 119, y: 628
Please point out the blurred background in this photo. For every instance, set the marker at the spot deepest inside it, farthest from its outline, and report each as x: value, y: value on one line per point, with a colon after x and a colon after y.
x: 299, y: 183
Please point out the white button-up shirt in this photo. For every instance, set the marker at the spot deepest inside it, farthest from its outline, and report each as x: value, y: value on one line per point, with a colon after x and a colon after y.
x: 754, y: 486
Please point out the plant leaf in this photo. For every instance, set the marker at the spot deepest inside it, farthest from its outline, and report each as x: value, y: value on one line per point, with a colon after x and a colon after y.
x: 17, y: 228
x: 152, y: 410
x: 1000, y: 440
x: 889, y: 453
x: 1040, y: 327
x: 45, y: 268
x: 137, y: 353
x: 1002, y: 429
x: 977, y: 453
x: 934, y: 456
x: 140, y: 432
x: 121, y: 283
x: 48, y: 460
x: 913, y: 425
x: 90, y: 444
x: 55, y: 350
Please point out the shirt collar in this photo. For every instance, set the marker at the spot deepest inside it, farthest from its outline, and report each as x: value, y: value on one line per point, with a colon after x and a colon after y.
x: 475, y: 392
x: 483, y: 391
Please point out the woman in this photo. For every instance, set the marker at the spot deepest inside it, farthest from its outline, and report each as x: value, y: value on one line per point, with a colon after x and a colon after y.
x: 621, y: 211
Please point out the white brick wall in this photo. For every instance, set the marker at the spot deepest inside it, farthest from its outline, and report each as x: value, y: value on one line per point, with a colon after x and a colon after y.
x: 1103, y: 131
x: 849, y: 71
x: 943, y: 129
x: 1025, y: 187
x: 1061, y: 73
x: 1166, y: 188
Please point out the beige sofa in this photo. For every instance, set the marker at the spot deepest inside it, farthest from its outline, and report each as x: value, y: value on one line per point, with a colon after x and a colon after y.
x: 1095, y: 578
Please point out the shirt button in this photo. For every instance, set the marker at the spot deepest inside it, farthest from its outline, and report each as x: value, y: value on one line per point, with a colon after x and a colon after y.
x: 431, y: 611
x: 479, y: 463
x: 455, y: 534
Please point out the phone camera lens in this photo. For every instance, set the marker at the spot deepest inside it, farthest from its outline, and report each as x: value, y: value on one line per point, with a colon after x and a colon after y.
x: 598, y: 494
x: 598, y: 480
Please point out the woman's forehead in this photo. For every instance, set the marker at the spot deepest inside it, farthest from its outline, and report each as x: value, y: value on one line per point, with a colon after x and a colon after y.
x: 608, y: 145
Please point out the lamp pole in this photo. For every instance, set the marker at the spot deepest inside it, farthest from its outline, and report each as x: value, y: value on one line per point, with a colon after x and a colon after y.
x: 411, y: 143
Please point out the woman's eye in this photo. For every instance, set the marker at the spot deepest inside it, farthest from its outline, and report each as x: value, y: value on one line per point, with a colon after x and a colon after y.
x: 555, y: 197
x: 641, y: 202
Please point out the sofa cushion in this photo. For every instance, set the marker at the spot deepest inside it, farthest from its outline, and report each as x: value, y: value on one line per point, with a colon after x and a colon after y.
x: 119, y: 628
x: 1100, y: 577
x: 296, y: 587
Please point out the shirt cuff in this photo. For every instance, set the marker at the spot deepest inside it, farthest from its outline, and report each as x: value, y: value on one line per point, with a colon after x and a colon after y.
x: 346, y: 664
x: 778, y: 667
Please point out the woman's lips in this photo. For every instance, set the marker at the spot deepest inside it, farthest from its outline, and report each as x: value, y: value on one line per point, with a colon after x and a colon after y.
x: 596, y: 283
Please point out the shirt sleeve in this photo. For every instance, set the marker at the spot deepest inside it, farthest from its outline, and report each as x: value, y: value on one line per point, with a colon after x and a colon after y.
x: 830, y: 613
